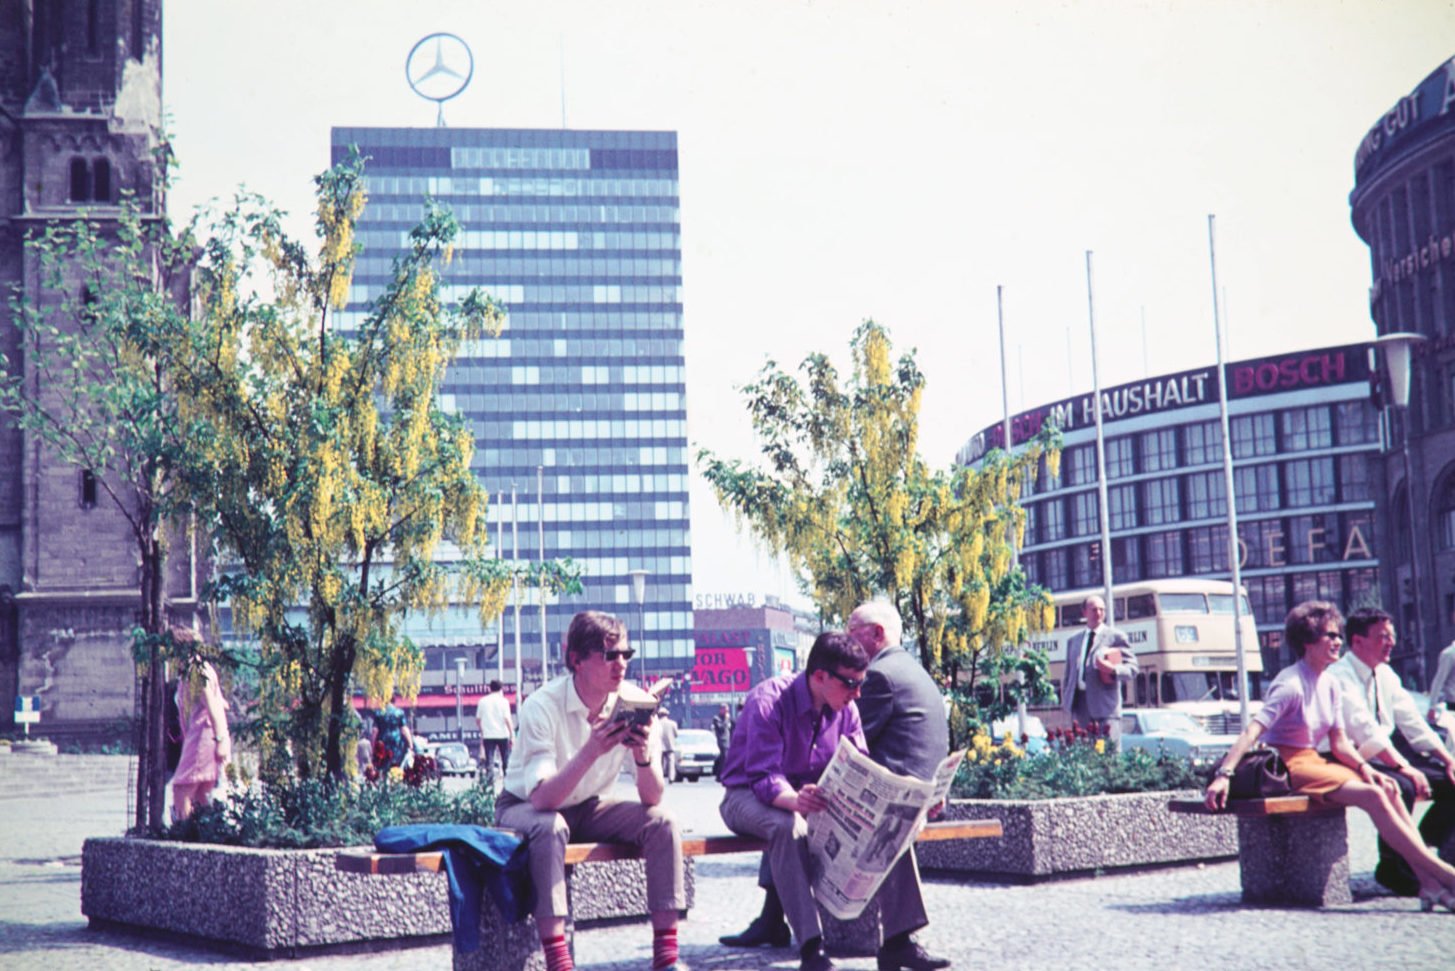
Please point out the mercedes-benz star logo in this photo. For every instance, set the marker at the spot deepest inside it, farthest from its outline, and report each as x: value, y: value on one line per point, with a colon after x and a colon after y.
x: 438, y: 68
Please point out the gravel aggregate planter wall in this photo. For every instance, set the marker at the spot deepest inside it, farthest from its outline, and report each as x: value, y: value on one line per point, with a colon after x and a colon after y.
x: 277, y: 902
x: 1050, y: 837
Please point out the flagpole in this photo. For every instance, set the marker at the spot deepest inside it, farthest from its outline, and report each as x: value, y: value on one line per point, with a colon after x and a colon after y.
x: 1233, y: 554
x: 500, y: 618
x: 515, y: 586
x: 1020, y: 705
x: 541, y: 590
x: 1100, y: 452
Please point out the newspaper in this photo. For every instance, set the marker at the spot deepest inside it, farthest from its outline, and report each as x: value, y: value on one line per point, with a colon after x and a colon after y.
x: 873, y: 816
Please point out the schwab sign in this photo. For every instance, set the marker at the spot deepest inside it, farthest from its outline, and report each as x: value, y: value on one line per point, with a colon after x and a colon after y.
x: 1187, y: 389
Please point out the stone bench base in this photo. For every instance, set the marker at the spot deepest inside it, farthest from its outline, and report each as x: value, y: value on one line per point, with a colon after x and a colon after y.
x: 1300, y: 860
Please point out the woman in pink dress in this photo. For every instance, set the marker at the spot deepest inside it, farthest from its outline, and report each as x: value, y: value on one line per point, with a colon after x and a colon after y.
x: 206, y: 744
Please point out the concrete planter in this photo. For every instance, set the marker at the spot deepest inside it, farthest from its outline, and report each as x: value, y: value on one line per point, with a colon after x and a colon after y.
x: 1052, y: 837
x: 281, y: 902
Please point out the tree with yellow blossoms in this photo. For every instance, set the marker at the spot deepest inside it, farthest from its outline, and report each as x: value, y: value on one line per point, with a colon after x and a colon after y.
x: 842, y: 492
x: 339, y: 493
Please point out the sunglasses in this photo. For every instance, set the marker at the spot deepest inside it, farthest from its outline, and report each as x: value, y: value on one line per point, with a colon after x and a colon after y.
x: 853, y: 684
x: 626, y: 654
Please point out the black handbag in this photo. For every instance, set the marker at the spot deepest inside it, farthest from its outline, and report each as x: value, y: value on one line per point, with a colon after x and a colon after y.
x: 1259, y: 775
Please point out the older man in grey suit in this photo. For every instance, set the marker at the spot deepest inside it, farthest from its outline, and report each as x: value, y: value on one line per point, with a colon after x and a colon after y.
x: 1098, y: 660
x: 903, y: 714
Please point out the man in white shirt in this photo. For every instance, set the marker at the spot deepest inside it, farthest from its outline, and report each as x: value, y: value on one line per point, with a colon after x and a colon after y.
x: 1442, y: 688
x: 567, y: 759
x: 492, y: 715
x: 1384, y: 724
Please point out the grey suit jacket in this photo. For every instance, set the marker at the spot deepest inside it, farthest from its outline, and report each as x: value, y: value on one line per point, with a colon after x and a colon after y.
x: 1102, y: 700
x: 903, y: 714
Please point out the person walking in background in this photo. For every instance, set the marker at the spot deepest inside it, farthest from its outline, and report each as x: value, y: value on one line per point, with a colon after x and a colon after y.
x: 206, y: 742
x: 1098, y: 660
x: 722, y: 729
x: 668, y: 729
x: 392, y: 742
x: 492, y: 716
x: 787, y: 735
x: 1386, y: 727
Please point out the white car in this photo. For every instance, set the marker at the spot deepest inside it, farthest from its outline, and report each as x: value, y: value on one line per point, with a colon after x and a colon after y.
x: 1159, y: 730
x: 696, y: 751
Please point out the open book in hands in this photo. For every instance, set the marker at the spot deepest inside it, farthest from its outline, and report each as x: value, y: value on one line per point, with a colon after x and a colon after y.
x: 636, y: 706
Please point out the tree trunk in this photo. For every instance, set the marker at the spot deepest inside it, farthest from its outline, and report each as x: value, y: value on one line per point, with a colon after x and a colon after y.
x: 338, y: 683
x: 152, y: 762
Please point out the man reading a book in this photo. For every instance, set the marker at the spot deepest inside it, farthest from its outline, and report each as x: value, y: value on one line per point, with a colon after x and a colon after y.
x: 1098, y: 661
x: 567, y: 758
x: 785, y: 738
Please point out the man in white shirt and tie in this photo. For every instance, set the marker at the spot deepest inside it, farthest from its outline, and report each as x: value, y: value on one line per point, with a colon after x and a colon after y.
x: 1388, y: 729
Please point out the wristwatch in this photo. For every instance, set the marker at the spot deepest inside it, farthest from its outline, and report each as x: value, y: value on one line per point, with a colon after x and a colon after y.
x: 1225, y: 772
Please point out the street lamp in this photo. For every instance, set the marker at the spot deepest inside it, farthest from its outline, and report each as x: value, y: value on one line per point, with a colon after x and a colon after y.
x: 687, y: 702
x: 459, y: 700
x: 639, y: 597
x: 1397, y: 350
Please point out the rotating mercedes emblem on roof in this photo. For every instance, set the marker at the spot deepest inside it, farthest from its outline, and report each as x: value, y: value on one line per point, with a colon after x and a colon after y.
x: 438, y: 68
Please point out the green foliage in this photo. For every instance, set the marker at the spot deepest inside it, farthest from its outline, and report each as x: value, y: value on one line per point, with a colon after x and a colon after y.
x: 1085, y: 767
x: 308, y: 813
x: 843, y: 493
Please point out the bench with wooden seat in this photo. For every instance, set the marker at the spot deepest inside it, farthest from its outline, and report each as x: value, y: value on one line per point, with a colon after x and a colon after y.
x: 1291, y: 850
x: 517, y: 946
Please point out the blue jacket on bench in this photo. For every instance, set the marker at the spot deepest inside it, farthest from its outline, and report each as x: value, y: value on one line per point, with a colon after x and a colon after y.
x: 476, y: 859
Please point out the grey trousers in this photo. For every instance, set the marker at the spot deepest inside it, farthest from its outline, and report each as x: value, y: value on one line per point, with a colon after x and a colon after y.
x: 901, y: 904
x: 652, y: 829
x: 1111, y: 727
x: 787, y: 856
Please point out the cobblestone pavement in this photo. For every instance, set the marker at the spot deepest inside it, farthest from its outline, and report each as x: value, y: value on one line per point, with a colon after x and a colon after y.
x: 1158, y: 920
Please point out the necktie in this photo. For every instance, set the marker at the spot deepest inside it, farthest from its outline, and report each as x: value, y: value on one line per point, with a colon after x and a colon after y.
x: 1374, y: 690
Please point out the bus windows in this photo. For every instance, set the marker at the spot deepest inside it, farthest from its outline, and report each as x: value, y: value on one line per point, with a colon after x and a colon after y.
x: 1142, y: 699
x: 1222, y: 603
x: 1071, y: 616
x: 1190, y: 686
x: 1139, y: 606
x: 1183, y: 603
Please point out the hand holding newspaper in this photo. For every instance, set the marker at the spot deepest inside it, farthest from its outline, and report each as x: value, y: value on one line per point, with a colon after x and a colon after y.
x: 873, y: 816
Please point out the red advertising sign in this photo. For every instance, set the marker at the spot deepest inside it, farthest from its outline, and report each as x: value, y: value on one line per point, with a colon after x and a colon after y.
x: 720, y: 669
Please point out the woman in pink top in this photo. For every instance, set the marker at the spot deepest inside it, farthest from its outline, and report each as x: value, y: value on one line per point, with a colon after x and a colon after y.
x: 206, y: 744
x: 1302, y: 708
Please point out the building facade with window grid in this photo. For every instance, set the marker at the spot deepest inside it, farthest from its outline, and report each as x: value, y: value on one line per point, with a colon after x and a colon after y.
x: 1403, y: 207
x: 1305, y: 441
x: 577, y: 233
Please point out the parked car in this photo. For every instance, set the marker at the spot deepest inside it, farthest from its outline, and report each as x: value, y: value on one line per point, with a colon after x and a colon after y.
x: 696, y: 752
x: 454, y: 758
x: 1174, y: 732
x: 1035, y: 732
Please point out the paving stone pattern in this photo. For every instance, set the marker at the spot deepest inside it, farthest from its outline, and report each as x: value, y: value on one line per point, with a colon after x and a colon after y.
x: 1153, y: 920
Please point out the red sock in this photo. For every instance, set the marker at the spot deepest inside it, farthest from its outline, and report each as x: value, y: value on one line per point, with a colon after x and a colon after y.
x: 558, y: 955
x: 664, y: 948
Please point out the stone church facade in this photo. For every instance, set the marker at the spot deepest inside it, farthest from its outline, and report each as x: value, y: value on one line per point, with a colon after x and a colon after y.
x: 80, y: 121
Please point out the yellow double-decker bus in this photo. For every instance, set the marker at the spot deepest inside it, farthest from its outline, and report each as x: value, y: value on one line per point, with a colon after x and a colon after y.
x: 1182, y: 633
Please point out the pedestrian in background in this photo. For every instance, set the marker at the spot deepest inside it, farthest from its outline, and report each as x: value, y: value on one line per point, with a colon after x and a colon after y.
x: 206, y: 742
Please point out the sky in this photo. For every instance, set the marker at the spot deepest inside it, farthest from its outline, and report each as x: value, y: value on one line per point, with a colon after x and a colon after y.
x: 887, y: 160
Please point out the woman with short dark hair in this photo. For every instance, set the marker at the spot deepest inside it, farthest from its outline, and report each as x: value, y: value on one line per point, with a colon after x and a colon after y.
x: 1301, y: 710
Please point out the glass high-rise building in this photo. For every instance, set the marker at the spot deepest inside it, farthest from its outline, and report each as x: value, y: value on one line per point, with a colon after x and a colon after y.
x: 577, y: 233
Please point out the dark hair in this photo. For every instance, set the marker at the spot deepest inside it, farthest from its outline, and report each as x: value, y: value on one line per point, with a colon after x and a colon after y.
x: 591, y: 631
x: 495, y: 686
x: 1306, y: 623
x: 833, y: 649
x: 1359, y: 622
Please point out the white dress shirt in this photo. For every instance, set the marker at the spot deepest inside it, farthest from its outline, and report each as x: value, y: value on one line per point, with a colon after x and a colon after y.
x: 1443, y: 687
x: 1366, y: 692
x: 553, y: 727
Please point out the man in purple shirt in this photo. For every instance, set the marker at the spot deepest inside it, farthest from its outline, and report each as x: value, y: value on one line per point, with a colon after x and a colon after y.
x: 785, y: 737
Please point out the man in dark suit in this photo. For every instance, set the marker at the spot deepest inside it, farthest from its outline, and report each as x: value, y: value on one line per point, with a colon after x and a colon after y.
x: 1098, y: 660
x: 906, y: 728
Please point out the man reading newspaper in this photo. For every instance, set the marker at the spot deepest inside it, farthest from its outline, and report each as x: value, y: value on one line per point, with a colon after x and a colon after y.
x: 788, y: 731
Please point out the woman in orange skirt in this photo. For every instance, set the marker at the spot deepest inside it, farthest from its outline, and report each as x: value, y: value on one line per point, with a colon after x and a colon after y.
x: 1301, y: 710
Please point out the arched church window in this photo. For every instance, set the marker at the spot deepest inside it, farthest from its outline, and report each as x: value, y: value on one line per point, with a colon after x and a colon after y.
x: 80, y: 180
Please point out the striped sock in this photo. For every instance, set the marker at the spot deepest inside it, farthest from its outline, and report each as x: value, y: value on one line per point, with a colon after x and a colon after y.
x: 664, y: 948
x: 558, y: 955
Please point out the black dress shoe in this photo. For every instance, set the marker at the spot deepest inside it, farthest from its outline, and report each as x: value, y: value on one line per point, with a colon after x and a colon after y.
x: 760, y: 933
x: 815, y: 961
x: 1396, y: 879
x: 909, y: 956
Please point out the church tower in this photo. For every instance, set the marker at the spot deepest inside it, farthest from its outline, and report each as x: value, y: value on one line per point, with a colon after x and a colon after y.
x: 80, y: 124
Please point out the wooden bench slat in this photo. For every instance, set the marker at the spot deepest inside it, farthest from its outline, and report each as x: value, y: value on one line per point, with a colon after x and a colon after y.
x: 389, y: 864
x: 1272, y: 806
